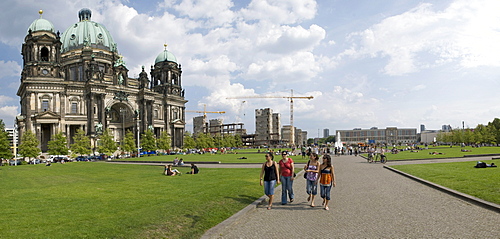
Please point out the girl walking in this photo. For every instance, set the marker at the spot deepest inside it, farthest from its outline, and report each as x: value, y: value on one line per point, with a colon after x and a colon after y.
x: 270, y: 173
x: 286, y: 176
x: 312, y: 170
x: 327, y: 180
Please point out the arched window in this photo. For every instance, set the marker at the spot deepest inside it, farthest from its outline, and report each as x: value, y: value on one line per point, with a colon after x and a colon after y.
x: 44, y: 54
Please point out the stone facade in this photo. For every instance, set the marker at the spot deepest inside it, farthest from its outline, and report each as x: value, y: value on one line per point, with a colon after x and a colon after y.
x: 69, y: 83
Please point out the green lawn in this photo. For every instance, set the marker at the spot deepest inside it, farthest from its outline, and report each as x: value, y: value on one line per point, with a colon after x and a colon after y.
x: 482, y: 183
x: 445, y: 152
x: 251, y: 157
x: 99, y: 200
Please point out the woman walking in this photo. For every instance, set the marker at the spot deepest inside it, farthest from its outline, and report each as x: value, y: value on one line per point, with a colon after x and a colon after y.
x: 286, y: 176
x: 270, y: 173
x: 327, y: 180
x: 312, y: 170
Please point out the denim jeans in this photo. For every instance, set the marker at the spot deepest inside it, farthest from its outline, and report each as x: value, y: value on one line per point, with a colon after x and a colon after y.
x: 325, y: 191
x: 312, y: 187
x: 269, y: 187
x: 286, y: 188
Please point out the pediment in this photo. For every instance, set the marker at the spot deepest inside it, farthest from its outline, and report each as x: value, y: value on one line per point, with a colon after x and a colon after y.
x: 47, y: 115
x: 178, y: 122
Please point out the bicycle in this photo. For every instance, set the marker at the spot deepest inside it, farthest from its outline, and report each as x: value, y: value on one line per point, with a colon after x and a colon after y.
x: 370, y: 158
x: 383, y: 158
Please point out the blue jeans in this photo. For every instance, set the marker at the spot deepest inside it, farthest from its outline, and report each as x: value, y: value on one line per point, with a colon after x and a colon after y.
x: 286, y: 187
x: 269, y: 187
x: 325, y: 191
x: 312, y: 187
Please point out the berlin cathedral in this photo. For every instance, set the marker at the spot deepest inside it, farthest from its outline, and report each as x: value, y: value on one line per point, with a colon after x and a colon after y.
x: 77, y: 80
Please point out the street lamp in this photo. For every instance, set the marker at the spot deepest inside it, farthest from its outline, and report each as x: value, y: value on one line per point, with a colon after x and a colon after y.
x: 123, y: 111
x: 138, y: 142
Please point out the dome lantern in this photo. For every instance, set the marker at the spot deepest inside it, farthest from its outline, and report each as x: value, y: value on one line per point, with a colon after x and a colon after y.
x: 166, y: 56
x: 41, y: 24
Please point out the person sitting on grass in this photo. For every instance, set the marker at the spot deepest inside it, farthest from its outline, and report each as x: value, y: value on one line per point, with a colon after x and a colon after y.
x: 171, y: 172
x: 194, y: 169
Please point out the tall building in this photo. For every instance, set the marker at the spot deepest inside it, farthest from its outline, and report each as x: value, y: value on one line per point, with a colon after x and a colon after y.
x: 446, y: 128
x: 267, y: 127
x: 326, y: 133
x: 199, y: 125
x: 13, y: 140
x: 78, y: 80
x: 422, y: 128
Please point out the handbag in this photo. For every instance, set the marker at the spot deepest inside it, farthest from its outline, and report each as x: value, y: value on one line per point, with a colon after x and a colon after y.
x: 305, y: 173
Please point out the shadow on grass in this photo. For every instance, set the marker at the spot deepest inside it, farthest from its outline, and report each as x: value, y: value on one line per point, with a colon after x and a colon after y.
x: 195, y: 219
x: 245, y: 199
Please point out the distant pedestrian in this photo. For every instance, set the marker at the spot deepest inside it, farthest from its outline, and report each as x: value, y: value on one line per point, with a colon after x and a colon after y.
x: 194, y: 169
x: 269, y: 174
x: 287, y: 176
x: 312, y: 170
x: 327, y: 180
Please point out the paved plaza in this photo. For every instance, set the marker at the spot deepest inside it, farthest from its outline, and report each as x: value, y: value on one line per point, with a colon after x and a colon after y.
x: 368, y: 202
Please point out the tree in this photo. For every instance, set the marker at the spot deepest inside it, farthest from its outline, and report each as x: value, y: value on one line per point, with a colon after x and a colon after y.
x: 5, y: 150
x: 164, y: 141
x: 189, y: 142
x: 148, y: 142
x: 218, y: 141
x: 129, y: 142
x: 58, y: 145
x: 485, y: 134
x: 81, y: 143
x: 495, y: 129
x: 204, y: 141
x: 238, y: 142
x: 29, y: 145
x: 107, y: 144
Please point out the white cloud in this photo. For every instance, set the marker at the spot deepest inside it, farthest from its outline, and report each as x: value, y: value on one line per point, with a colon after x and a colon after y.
x: 280, y: 11
x: 213, y: 13
x: 466, y: 31
x: 9, y: 68
x: 287, y: 39
x: 8, y: 114
x: 298, y: 67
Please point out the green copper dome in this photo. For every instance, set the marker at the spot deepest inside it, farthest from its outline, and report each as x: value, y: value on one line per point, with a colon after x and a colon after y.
x: 165, y: 56
x: 87, y: 33
x: 41, y: 25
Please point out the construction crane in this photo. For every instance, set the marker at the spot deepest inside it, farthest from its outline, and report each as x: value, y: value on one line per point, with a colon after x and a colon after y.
x: 205, y: 111
x: 205, y: 124
x: 291, y: 97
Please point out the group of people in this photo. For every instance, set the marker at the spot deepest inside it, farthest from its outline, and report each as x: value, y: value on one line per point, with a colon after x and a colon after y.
x: 178, y: 162
x: 169, y: 171
x: 273, y: 173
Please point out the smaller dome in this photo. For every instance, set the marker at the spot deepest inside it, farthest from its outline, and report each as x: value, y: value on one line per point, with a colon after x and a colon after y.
x: 41, y: 25
x: 165, y: 56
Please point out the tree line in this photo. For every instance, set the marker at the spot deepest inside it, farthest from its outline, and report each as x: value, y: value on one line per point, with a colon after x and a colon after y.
x: 82, y: 144
x: 203, y: 141
x: 58, y: 145
x: 482, y: 134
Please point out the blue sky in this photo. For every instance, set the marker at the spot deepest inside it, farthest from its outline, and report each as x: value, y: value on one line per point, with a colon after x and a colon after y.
x: 367, y: 63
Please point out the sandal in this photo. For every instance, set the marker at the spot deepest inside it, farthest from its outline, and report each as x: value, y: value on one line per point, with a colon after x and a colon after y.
x: 269, y: 208
x: 327, y: 208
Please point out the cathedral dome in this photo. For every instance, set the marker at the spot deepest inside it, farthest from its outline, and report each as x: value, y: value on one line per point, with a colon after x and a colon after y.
x: 41, y: 25
x: 87, y: 33
x: 165, y: 56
